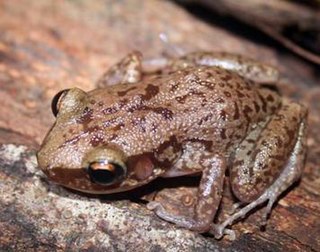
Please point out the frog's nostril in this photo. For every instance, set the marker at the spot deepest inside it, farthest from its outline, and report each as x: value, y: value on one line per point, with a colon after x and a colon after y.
x: 105, y: 173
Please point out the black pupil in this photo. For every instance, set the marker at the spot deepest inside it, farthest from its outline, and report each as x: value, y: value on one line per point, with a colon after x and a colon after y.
x: 104, y: 176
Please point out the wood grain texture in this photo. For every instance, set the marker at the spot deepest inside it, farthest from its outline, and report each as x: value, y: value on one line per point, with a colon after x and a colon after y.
x: 46, y: 46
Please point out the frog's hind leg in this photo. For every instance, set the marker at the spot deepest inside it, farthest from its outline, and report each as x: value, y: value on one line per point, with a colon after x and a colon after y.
x: 278, y: 151
x: 128, y: 70
x: 244, y: 66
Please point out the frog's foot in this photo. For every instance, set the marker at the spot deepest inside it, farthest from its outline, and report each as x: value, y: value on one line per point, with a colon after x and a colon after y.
x: 182, y: 221
x: 128, y: 70
x: 219, y: 230
x: 218, y: 234
x: 190, y: 223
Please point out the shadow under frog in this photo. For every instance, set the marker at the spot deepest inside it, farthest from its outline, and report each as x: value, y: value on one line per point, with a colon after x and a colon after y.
x: 201, y: 113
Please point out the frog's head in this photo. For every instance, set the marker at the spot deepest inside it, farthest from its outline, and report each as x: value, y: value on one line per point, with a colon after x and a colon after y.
x: 76, y: 154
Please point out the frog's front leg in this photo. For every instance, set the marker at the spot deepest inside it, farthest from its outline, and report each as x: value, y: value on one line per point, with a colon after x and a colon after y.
x: 128, y: 70
x: 131, y: 69
x: 268, y: 161
x: 208, y: 197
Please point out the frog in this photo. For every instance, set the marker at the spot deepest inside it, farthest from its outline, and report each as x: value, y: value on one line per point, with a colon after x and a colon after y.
x: 215, y: 115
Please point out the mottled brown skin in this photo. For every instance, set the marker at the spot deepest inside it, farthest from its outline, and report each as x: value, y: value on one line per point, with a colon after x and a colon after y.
x: 203, y: 112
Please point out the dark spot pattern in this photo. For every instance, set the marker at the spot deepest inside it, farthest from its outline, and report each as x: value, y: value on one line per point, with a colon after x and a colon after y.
x: 74, y: 140
x: 207, y: 84
x: 223, y: 134
x: 86, y: 116
x: 167, y: 114
x: 115, y: 108
x: 197, y: 93
x: 118, y: 127
x: 109, y: 122
x: 136, y: 107
x: 205, y: 119
x: 246, y: 111
x: 223, y: 115
x: 227, y: 94
x: 94, y: 128
x: 174, y: 87
x: 151, y: 91
x: 290, y: 133
x: 110, y: 110
x: 96, y: 140
x: 240, y: 94
x: 256, y: 106
x: 279, y: 142
x: 236, y: 115
x: 175, y: 147
x: 226, y: 77
x: 270, y: 98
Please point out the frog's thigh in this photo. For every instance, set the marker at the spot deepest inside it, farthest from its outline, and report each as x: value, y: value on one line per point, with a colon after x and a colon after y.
x: 208, y: 198
x: 270, y: 156
x: 244, y: 66
x: 263, y: 154
x: 128, y: 70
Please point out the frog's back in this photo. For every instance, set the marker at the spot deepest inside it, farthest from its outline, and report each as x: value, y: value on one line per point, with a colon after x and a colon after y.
x: 216, y: 105
x: 199, y: 103
x: 211, y: 96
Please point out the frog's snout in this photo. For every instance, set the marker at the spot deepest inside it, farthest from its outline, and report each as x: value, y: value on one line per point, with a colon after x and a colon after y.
x: 105, y: 165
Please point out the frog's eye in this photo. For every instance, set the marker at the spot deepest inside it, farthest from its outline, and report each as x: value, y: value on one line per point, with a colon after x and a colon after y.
x: 56, y: 101
x: 105, y: 173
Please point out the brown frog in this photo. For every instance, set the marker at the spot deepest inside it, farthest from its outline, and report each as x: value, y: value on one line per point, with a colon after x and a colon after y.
x: 199, y: 114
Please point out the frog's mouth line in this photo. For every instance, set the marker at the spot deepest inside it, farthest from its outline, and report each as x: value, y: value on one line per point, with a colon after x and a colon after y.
x: 79, y: 180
